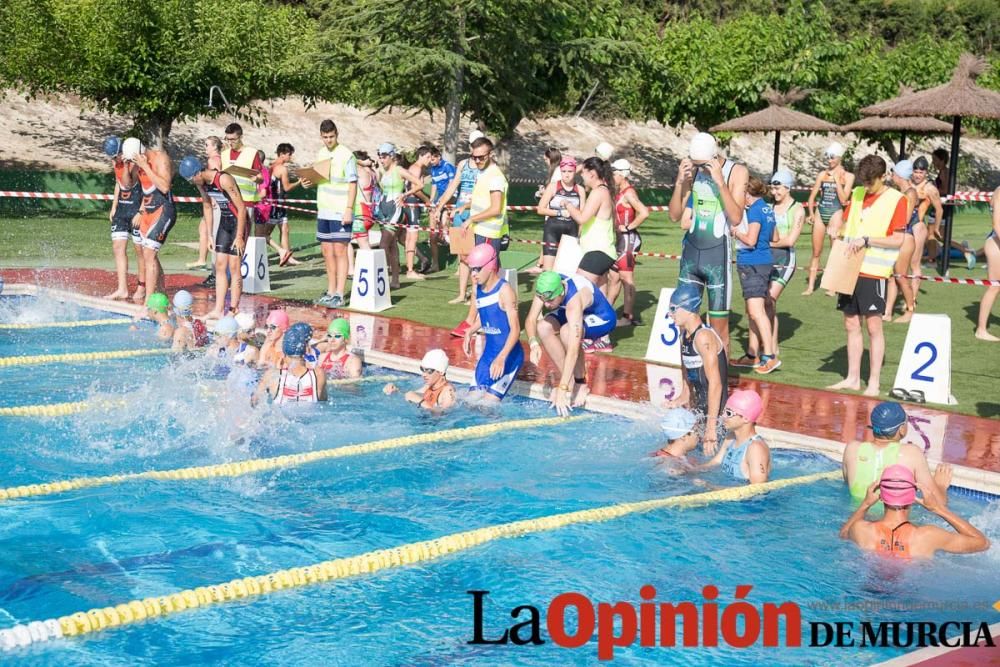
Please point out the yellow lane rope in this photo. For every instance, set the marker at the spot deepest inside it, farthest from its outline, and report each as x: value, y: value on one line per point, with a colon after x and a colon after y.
x: 249, y: 466
x: 127, y: 613
x: 78, y: 356
x: 65, y: 325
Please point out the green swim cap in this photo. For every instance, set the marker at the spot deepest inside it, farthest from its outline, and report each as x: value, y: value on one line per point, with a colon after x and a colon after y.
x: 549, y: 285
x: 340, y: 326
x: 158, y: 302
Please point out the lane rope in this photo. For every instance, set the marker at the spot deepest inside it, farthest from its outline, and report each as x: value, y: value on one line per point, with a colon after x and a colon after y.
x: 78, y: 356
x: 65, y: 325
x: 134, y: 611
x: 248, y: 466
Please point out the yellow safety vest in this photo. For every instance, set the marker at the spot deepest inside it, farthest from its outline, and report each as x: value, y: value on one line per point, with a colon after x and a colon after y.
x: 495, y: 227
x: 331, y: 197
x: 248, y: 189
x: 873, y: 222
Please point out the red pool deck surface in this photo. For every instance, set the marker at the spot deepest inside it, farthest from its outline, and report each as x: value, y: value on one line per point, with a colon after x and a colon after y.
x: 959, y: 439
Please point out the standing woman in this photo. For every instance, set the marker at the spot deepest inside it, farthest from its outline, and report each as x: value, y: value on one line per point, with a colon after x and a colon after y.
x: 630, y: 212
x: 281, y: 185
x: 207, y: 228
x: 556, y: 196
x: 463, y: 184
x: 992, y: 251
x: 901, y: 174
x: 789, y: 217
x: 124, y: 207
x: 553, y: 165
x: 414, y: 197
x: 364, y: 206
x: 833, y: 185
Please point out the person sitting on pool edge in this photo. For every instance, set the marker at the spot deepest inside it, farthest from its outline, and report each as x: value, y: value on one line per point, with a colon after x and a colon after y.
x: 680, y: 428
x: 864, y: 462
x: 893, y: 536
x: 578, y: 311
x: 744, y: 455
x: 333, y: 354
x: 437, y: 393
x: 703, y: 356
x: 293, y: 381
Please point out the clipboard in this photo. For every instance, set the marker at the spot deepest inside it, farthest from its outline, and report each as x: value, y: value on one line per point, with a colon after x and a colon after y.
x: 461, y: 241
x: 841, y: 272
x: 316, y: 174
x: 242, y: 172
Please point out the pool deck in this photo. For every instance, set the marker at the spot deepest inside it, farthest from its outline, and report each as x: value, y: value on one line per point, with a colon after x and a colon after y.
x: 972, y: 442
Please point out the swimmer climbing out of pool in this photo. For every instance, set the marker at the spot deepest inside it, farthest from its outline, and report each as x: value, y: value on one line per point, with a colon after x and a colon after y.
x: 680, y: 428
x: 293, y: 381
x: 744, y: 455
x: 334, y: 353
x: 437, y: 393
x: 893, y: 536
x: 578, y: 311
x: 496, y: 317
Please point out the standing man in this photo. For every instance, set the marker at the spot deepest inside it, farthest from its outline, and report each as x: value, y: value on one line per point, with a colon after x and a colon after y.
x: 335, y: 216
x: 124, y: 207
x: 221, y: 189
x: 157, y: 215
x: 875, y: 223
x: 708, y: 198
x: 241, y: 155
x: 442, y: 172
x: 488, y: 208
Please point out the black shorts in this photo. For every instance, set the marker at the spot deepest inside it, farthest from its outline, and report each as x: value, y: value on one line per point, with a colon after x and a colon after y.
x: 755, y: 279
x: 868, y: 298
x: 121, y: 226
x: 596, y: 262
x: 553, y: 230
x: 225, y: 237
x: 413, y: 210
x: 784, y: 265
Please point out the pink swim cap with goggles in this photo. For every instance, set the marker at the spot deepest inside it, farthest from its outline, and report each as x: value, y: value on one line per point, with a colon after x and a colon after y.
x: 897, y: 486
x: 746, y: 403
x: 482, y: 256
x: 278, y: 318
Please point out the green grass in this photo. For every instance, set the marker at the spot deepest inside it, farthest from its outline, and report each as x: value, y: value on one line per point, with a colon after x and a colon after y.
x: 813, y: 342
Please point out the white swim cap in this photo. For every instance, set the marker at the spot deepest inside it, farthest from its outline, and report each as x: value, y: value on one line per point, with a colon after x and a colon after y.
x: 622, y: 165
x: 836, y: 149
x: 436, y: 360
x: 604, y: 150
x: 131, y: 147
x: 703, y: 147
x: 246, y: 321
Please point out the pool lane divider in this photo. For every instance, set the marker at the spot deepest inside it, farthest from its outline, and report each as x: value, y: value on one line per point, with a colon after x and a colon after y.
x: 65, y: 325
x: 249, y: 466
x: 134, y: 611
x: 74, y: 407
x: 75, y: 357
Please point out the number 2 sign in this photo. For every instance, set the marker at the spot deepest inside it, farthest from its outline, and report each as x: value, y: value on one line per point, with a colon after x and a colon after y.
x: 926, y: 361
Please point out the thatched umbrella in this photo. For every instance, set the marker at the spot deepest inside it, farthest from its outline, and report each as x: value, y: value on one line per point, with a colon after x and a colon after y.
x: 777, y: 117
x: 914, y: 124
x: 958, y: 98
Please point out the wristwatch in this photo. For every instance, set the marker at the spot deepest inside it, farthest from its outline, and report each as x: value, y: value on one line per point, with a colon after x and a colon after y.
x: 868, y: 242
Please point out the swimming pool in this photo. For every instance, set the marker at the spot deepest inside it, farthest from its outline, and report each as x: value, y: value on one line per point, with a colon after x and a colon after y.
x: 106, y: 545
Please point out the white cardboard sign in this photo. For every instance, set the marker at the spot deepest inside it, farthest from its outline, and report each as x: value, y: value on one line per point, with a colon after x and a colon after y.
x: 568, y: 256
x: 370, y: 288
x: 665, y: 340
x: 926, y: 360
x: 254, y: 269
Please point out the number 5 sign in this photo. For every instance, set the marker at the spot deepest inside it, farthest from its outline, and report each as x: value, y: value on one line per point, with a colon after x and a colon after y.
x: 370, y: 290
x: 254, y: 269
x: 926, y: 361
x: 665, y: 341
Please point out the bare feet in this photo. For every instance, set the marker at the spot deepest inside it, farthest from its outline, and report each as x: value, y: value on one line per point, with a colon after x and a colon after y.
x: 139, y: 295
x: 905, y: 317
x: 853, y: 385
x: 887, y: 317
x: 216, y: 314
x: 117, y: 295
x: 459, y: 299
x: 807, y: 292
x: 871, y: 390
x: 195, y: 265
x: 413, y: 275
x: 983, y: 334
x: 582, y: 392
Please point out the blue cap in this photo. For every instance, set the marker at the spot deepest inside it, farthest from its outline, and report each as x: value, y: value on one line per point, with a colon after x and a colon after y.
x: 112, y: 146
x: 688, y: 297
x: 183, y: 301
x: 387, y: 149
x: 887, y: 418
x: 190, y: 166
x: 784, y: 177
x: 296, y: 339
x: 903, y: 169
x: 227, y: 326
x: 677, y: 423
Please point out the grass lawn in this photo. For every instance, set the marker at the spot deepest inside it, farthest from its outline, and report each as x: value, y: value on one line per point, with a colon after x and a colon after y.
x: 813, y: 342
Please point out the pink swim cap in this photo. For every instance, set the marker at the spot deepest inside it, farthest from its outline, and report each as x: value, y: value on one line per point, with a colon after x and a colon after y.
x: 898, y: 486
x: 482, y: 256
x: 746, y: 403
x: 568, y: 161
x: 279, y: 318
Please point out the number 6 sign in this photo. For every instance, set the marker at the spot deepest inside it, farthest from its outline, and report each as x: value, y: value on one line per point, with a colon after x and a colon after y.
x: 254, y: 268
x: 926, y: 361
x: 665, y: 341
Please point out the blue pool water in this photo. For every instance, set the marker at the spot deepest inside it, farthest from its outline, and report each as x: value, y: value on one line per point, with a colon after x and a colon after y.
x: 103, y: 546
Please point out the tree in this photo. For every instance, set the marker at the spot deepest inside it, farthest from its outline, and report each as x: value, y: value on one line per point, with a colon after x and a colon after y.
x: 155, y: 60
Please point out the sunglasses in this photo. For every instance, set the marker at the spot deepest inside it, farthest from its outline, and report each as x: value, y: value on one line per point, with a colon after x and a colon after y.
x: 428, y: 371
x: 476, y: 269
x: 385, y: 154
x: 479, y: 158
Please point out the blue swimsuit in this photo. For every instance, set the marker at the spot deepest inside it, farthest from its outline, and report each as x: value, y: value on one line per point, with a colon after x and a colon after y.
x: 494, y: 324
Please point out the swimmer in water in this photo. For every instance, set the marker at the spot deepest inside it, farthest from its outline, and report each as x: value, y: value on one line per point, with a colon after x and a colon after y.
x: 189, y: 333
x: 249, y: 346
x: 157, y: 309
x: 496, y: 308
x: 270, y: 351
x: 893, y: 536
x: 437, y: 393
x: 334, y: 355
x: 744, y: 455
x: 293, y: 381
x: 224, y: 342
x: 680, y: 428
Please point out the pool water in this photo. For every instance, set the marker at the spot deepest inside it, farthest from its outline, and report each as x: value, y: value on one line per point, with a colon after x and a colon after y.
x: 106, y: 545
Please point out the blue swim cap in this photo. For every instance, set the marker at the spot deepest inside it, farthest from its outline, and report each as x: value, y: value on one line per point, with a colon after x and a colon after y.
x: 183, y: 301
x: 227, y: 326
x: 112, y: 146
x: 296, y: 339
x: 887, y: 418
x: 677, y: 423
x: 688, y: 297
x: 189, y: 167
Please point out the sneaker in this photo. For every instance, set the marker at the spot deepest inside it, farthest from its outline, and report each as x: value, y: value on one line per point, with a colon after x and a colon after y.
x: 459, y: 331
x: 324, y: 300
x: 766, y: 367
x: 336, y: 301
x: 588, y: 346
x: 746, y: 361
x: 209, y: 282
x: 604, y: 344
x: 970, y: 257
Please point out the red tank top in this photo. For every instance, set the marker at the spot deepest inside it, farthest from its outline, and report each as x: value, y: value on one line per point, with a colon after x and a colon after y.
x: 336, y: 367
x: 623, y: 210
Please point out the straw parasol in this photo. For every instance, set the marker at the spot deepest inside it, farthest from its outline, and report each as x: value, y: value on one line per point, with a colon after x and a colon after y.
x: 958, y: 98
x: 777, y: 117
x: 903, y: 125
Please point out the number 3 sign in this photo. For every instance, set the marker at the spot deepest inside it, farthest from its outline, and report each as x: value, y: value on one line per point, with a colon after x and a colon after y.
x: 665, y: 341
x: 926, y: 360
